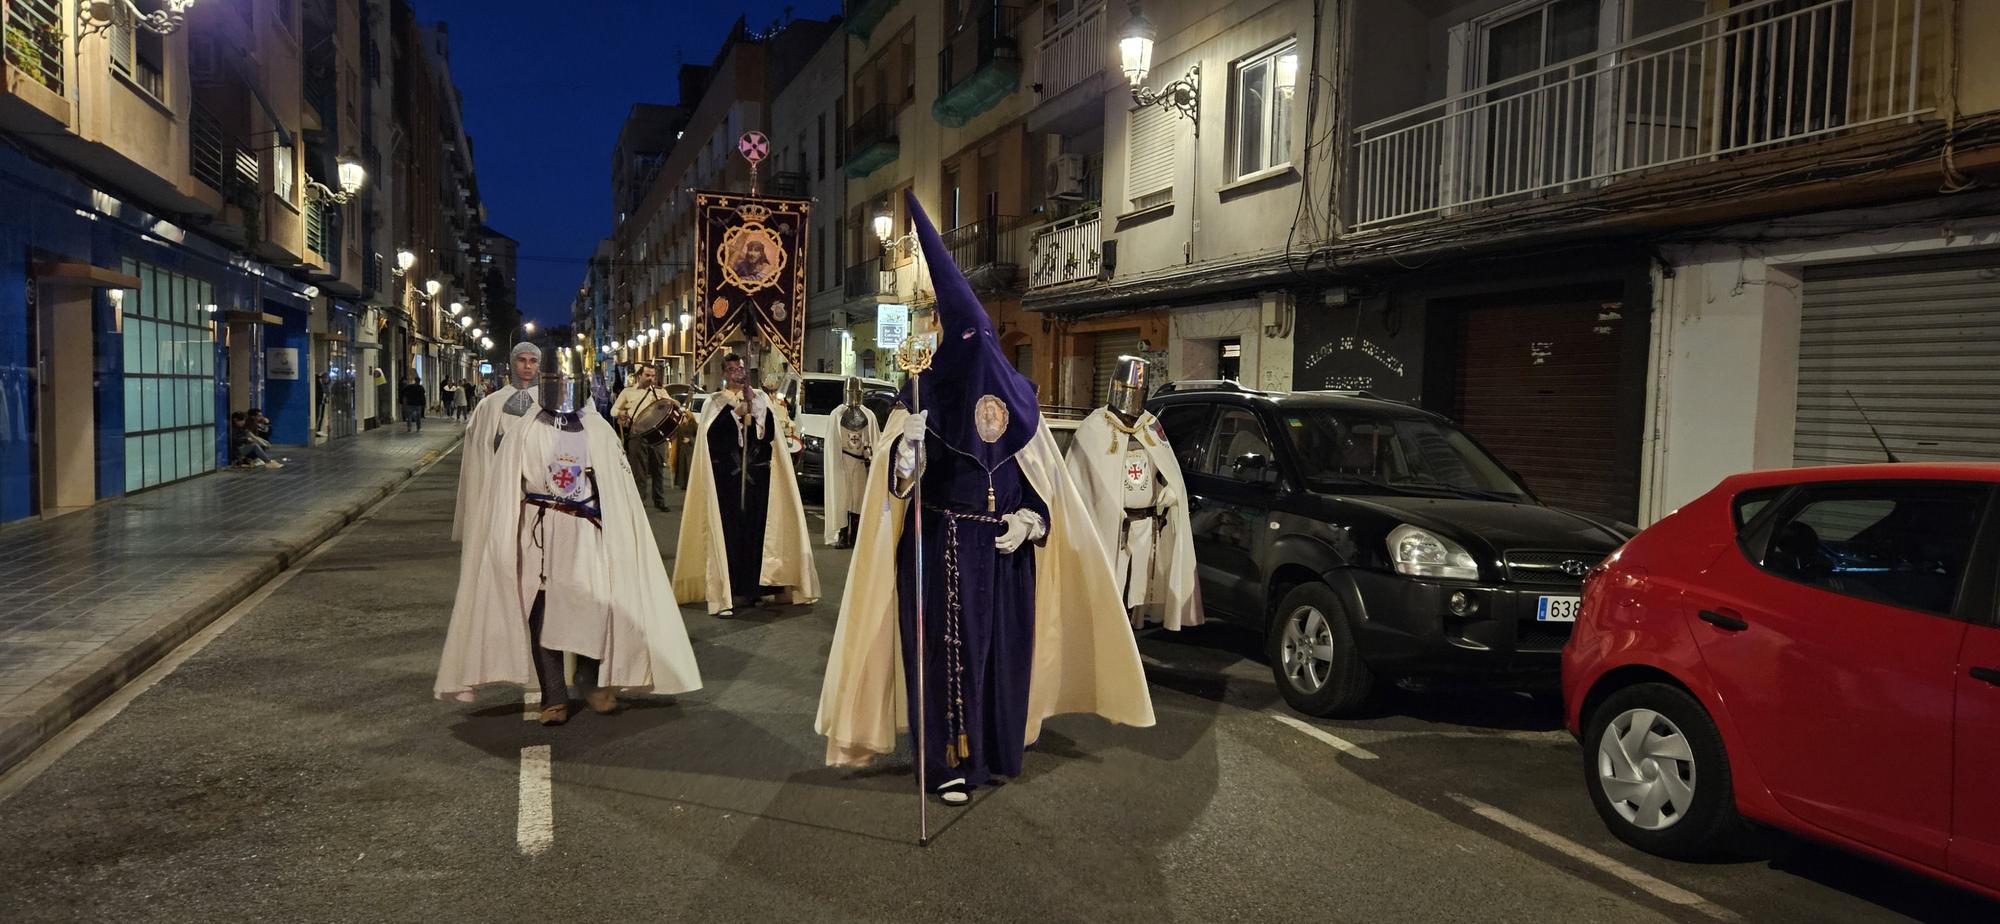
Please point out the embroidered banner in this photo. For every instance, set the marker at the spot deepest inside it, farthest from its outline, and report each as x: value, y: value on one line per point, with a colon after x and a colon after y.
x: 750, y: 271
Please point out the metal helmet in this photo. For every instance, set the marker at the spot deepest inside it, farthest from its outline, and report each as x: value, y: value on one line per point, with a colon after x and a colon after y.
x: 563, y: 384
x: 853, y: 391
x: 1128, y: 388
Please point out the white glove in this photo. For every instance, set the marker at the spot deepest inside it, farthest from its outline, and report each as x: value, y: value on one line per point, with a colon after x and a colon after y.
x: 1169, y: 497
x: 906, y: 450
x: 1022, y: 526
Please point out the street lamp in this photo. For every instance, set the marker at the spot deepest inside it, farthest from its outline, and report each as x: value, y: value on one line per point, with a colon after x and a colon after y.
x: 1135, y: 57
x: 404, y: 260
x: 457, y: 309
x: 312, y: 291
x: 476, y: 332
x: 486, y: 343
x: 465, y: 321
x: 351, y: 176
x: 529, y: 327
x: 432, y: 287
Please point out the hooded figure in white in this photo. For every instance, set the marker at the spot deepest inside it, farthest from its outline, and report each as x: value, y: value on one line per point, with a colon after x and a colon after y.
x: 851, y: 434
x: 743, y: 532
x: 504, y: 407
x: 1127, y: 473
x: 564, y: 563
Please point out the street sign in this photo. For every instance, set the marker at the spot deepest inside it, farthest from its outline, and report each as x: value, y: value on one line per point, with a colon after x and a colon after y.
x: 892, y: 324
x: 753, y: 146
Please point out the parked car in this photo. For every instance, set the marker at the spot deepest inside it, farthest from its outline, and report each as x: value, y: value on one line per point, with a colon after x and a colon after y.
x: 1371, y: 540
x: 813, y: 396
x: 1814, y: 650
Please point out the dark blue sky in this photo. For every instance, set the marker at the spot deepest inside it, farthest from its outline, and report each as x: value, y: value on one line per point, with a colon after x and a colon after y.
x: 546, y: 87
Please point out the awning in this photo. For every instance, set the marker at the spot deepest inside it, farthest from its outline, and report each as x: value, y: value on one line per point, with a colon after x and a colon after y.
x: 84, y: 274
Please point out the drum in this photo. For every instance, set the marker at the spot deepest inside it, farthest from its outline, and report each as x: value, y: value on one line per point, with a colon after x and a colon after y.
x: 793, y: 444
x: 656, y: 421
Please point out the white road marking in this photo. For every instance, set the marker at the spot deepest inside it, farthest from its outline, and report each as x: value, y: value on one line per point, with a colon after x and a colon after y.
x: 1660, y: 889
x: 1326, y: 737
x: 53, y: 750
x: 531, y: 705
x: 1151, y: 661
x: 535, y: 825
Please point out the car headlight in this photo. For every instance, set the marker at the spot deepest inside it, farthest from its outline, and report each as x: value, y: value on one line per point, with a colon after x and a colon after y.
x: 1421, y: 553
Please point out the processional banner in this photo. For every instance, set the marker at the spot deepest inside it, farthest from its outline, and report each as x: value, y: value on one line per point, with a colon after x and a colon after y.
x: 750, y: 271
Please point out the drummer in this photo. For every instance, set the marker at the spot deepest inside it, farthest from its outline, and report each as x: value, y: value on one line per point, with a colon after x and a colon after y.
x: 646, y: 444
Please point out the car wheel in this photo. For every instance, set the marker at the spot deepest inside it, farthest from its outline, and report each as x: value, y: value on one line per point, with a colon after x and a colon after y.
x: 1312, y: 653
x: 1658, y: 774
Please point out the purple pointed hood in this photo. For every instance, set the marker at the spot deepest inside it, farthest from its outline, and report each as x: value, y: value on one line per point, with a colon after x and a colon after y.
x: 969, y: 364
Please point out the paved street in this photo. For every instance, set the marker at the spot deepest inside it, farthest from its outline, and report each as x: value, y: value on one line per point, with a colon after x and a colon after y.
x: 296, y: 768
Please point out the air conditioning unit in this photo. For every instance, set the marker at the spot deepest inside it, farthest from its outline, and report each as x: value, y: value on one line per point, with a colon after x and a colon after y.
x: 1065, y: 177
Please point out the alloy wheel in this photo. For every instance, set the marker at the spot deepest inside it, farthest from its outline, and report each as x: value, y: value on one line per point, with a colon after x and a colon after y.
x: 1308, y: 649
x: 1646, y: 768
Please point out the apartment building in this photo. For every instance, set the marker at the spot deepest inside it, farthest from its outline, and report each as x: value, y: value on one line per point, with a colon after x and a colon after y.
x: 808, y: 107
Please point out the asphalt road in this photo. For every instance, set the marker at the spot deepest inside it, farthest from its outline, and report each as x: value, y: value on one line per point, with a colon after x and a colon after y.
x: 296, y: 768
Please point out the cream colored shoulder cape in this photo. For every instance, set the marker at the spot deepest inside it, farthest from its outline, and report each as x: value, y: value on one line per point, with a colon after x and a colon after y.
x: 1085, y: 658
x: 1097, y: 466
x: 481, y: 429
x: 701, y: 566
x: 487, y: 642
x: 833, y: 488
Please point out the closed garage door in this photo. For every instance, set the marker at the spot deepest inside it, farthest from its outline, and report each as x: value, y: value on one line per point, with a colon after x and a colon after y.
x: 1912, y: 344
x: 1111, y: 344
x: 1537, y: 384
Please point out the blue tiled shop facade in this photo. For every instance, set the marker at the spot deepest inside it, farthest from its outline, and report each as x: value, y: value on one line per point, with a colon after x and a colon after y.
x: 48, y: 214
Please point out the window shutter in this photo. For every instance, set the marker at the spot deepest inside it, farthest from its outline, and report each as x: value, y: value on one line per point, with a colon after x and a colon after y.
x: 122, y: 44
x: 1149, y: 153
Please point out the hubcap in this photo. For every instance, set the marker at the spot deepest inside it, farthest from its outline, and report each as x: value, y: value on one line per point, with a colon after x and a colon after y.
x: 1647, y: 769
x: 1307, y: 650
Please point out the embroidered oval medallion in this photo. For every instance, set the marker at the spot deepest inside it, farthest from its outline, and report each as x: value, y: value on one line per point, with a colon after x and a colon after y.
x: 990, y: 416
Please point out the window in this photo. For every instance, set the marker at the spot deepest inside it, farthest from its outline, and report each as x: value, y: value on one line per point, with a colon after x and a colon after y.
x: 140, y: 53
x: 1261, y: 109
x: 839, y: 131
x: 169, y: 377
x: 1752, y: 502
x: 283, y: 163
x: 821, y: 149
x: 1149, y: 154
x: 1186, y: 425
x: 1903, y: 544
x: 1239, y: 450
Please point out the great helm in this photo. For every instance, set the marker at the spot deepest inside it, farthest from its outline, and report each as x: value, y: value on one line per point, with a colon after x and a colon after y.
x: 563, y: 383
x: 853, y: 391
x: 1128, y: 387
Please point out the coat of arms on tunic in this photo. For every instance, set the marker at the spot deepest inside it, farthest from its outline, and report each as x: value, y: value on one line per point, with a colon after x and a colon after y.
x: 989, y: 415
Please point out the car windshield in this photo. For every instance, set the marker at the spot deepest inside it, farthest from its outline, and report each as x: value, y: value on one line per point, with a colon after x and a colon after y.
x: 1339, y: 449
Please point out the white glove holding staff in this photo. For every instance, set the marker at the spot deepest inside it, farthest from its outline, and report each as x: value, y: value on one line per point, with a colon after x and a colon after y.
x: 1023, y: 526
x: 913, y: 437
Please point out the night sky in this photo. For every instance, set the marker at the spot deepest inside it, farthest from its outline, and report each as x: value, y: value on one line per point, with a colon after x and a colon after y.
x: 546, y: 88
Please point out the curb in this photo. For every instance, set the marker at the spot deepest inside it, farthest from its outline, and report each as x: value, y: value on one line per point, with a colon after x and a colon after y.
x: 74, y: 691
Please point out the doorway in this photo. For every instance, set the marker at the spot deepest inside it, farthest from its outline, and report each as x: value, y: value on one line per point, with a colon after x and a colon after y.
x: 65, y: 410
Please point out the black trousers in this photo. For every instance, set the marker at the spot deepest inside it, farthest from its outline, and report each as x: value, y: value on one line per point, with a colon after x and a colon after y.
x: 649, y: 462
x: 549, y: 662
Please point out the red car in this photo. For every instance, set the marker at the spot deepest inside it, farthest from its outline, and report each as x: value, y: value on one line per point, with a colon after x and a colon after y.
x: 1816, y: 650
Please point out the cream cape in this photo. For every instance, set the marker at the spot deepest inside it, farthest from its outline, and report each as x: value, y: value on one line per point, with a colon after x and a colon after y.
x: 833, y: 475
x: 1098, y: 471
x: 1085, y: 658
x: 488, y: 421
x: 647, y: 646
x: 701, y: 566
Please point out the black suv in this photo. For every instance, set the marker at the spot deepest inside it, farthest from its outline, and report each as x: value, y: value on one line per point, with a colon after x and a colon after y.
x: 1370, y: 539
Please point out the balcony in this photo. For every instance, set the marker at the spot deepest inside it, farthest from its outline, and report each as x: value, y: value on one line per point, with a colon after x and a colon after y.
x: 980, y: 64
x: 34, y: 40
x: 871, y: 142
x: 1756, y: 77
x: 860, y: 17
x: 1066, y: 251
x: 1072, y: 55
x: 864, y: 279
x: 988, y: 252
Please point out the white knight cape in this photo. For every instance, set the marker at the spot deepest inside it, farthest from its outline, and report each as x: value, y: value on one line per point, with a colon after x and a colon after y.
x: 489, y: 421
x: 1096, y: 463
x: 646, y: 648
x: 841, y: 492
x: 701, y: 564
x: 1085, y: 658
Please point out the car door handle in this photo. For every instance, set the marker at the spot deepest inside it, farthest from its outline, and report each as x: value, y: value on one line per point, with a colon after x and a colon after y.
x: 1724, y: 620
x: 1988, y: 674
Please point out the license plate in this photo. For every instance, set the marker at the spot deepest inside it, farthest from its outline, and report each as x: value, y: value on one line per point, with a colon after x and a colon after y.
x: 1558, y: 609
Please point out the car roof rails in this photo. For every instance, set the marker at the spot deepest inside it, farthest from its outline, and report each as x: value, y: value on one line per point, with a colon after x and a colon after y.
x: 1176, y: 387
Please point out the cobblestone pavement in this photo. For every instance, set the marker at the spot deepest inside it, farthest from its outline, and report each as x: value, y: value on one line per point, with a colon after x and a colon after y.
x: 89, y: 599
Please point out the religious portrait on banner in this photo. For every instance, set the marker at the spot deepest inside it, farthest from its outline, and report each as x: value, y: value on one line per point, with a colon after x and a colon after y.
x: 751, y: 271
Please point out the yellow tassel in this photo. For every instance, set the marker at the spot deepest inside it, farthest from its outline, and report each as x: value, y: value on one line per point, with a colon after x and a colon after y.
x: 964, y: 745
x: 990, y: 501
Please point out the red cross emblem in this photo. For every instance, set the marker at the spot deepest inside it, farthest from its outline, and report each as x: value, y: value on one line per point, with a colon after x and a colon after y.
x: 753, y: 146
x: 1134, y: 471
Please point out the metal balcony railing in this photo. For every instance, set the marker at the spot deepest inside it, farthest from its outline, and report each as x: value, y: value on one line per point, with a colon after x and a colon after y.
x: 874, y: 126
x: 1757, y: 76
x: 986, y: 35
x: 864, y: 278
x: 33, y: 33
x: 1071, y: 52
x: 1066, y: 250
x: 983, y: 243
x: 207, y: 152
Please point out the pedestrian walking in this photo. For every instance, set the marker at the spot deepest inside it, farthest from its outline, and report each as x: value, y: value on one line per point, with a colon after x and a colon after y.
x: 448, y: 398
x: 413, y: 400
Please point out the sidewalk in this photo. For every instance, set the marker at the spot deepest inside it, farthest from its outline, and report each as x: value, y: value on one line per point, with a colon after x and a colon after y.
x: 91, y: 599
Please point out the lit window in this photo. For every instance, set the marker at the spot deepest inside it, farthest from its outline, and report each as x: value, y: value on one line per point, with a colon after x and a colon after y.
x: 1261, y: 109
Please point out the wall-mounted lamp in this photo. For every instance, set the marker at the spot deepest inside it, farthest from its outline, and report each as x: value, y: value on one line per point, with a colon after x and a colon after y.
x: 404, y: 260
x: 1135, y: 58
x: 432, y: 287
x: 95, y: 16
x: 351, y: 176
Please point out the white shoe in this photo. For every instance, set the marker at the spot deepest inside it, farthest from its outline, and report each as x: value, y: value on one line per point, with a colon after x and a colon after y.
x: 275, y: 464
x: 257, y: 463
